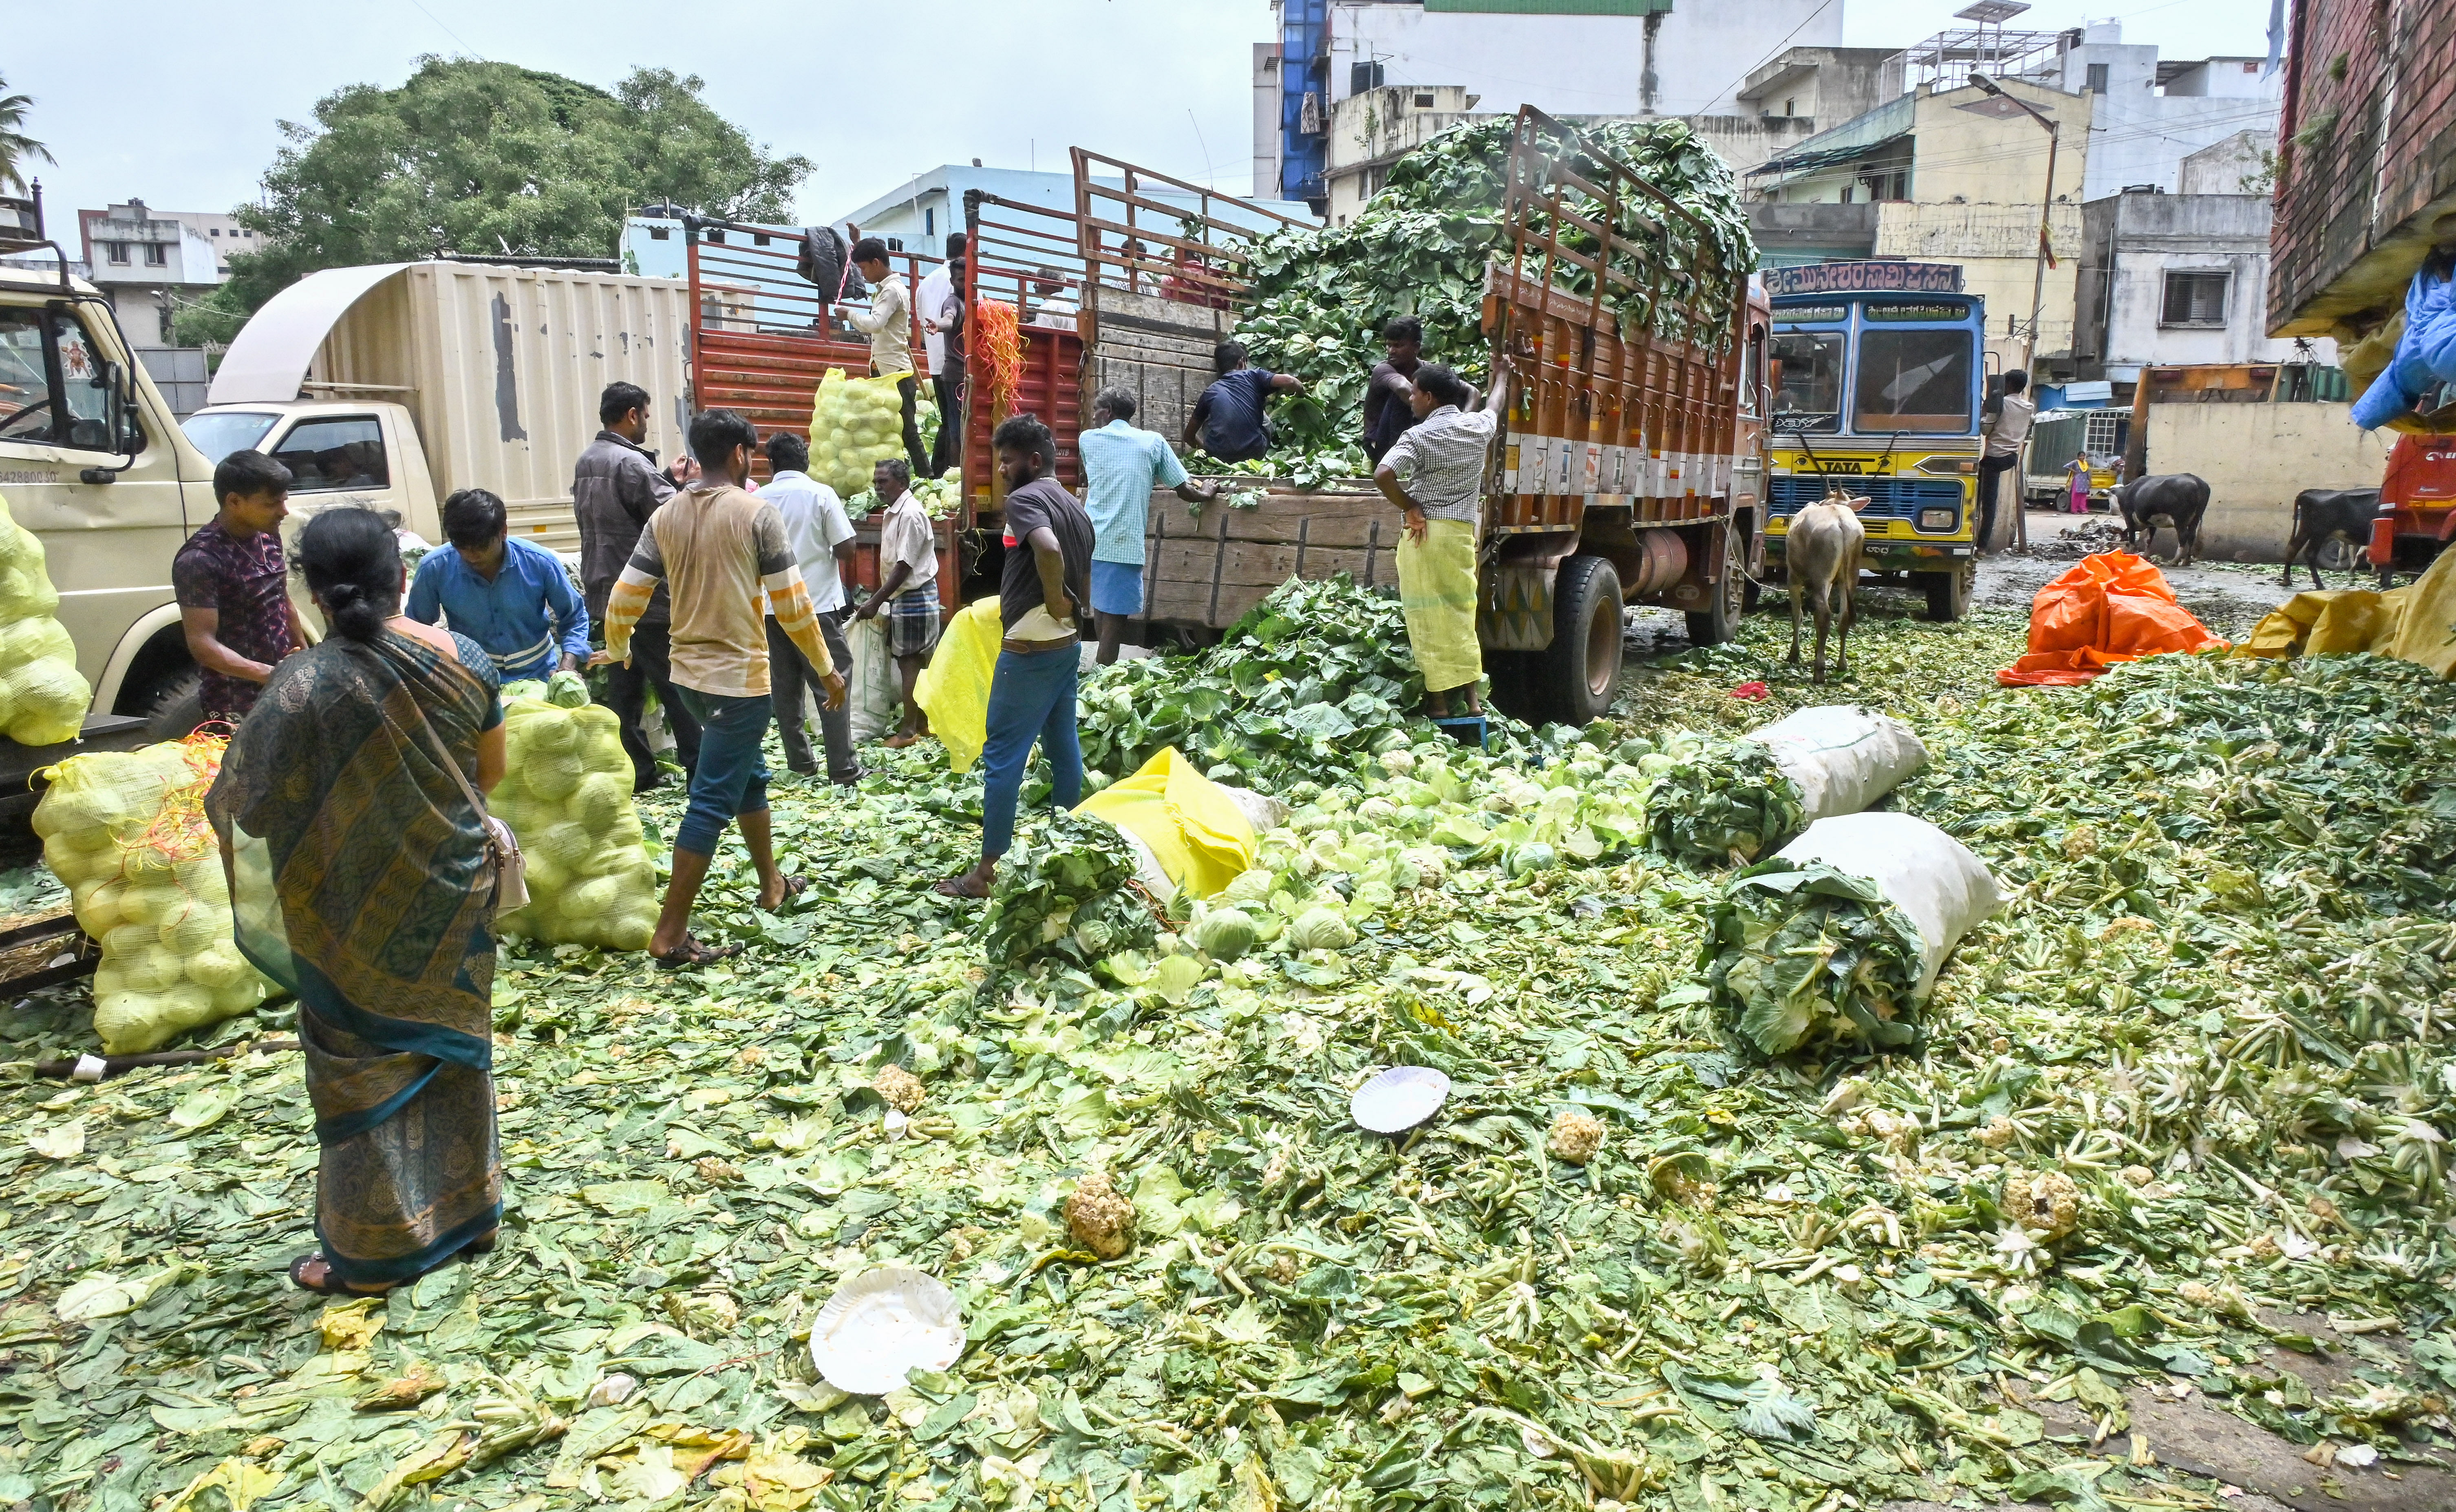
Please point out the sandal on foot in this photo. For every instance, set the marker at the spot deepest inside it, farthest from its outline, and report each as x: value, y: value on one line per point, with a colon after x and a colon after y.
x: 330, y: 1285
x: 899, y: 742
x: 795, y: 888
x: 953, y: 887
x: 690, y: 954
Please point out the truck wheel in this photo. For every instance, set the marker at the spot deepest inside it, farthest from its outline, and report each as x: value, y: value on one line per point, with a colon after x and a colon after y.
x: 1581, y: 670
x: 176, y: 709
x: 1947, y: 593
x: 1720, y: 619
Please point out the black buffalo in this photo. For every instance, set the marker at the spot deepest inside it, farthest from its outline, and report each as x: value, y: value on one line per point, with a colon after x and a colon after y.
x: 2322, y: 515
x: 2177, y: 499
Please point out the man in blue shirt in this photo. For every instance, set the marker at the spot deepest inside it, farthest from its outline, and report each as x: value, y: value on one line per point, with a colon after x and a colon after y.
x: 1227, y: 419
x: 510, y: 597
x: 1121, y: 466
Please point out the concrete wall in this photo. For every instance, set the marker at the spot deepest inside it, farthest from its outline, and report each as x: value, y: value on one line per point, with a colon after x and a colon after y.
x: 1997, y: 246
x: 2256, y: 458
x: 2222, y: 166
x: 1266, y: 119
x: 1576, y: 64
x: 2135, y: 240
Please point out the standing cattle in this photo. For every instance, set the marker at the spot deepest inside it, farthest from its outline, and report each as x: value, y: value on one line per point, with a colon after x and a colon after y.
x: 1821, y: 556
x: 2175, y: 499
x: 2322, y: 515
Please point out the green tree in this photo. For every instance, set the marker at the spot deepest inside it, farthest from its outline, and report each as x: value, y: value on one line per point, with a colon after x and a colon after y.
x: 16, y: 147
x: 487, y: 157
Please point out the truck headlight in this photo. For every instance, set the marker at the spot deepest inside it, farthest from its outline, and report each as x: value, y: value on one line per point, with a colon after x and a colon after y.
x: 1938, y: 518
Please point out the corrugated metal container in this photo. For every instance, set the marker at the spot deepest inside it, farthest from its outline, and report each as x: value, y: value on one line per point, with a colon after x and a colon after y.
x: 502, y: 368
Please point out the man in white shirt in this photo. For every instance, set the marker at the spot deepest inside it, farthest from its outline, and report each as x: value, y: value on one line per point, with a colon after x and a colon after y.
x: 820, y: 536
x: 2003, y: 453
x: 937, y: 288
x: 907, y: 590
x: 888, y: 322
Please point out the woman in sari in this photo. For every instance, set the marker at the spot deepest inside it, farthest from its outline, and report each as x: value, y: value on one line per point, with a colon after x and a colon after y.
x: 363, y: 882
x: 1434, y: 473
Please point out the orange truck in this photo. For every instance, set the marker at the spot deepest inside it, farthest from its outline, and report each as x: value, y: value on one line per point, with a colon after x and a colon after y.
x: 1629, y: 468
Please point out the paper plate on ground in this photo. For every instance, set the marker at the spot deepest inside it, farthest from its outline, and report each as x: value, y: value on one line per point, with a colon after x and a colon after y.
x: 1398, y: 1099
x: 880, y: 1326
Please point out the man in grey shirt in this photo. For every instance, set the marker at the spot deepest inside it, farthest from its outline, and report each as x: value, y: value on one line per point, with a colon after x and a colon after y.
x: 615, y: 488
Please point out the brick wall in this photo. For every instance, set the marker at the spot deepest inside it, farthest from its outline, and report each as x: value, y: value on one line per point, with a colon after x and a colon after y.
x: 2370, y: 87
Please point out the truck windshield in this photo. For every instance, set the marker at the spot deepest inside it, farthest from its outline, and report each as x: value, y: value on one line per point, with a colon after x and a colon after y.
x: 218, y: 434
x: 1913, y: 381
x: 1808, y: 381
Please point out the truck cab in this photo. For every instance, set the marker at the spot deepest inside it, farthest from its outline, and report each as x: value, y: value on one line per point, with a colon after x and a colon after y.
x: 92, y: 462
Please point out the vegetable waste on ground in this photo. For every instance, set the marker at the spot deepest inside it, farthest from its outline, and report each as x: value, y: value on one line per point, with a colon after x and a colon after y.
x: 2180, y: 1112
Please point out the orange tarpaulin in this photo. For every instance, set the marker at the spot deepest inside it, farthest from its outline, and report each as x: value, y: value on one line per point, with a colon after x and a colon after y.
x: 2111, y: 607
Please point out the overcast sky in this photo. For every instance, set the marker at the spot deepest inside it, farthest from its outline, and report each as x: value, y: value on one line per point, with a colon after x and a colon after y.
x: 177, y: 103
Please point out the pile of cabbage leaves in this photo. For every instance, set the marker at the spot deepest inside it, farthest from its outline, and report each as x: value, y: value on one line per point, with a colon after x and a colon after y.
x: 2206, y: 1041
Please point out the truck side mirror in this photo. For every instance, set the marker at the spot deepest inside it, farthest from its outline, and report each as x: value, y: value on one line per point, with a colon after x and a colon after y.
x: 121, y: 433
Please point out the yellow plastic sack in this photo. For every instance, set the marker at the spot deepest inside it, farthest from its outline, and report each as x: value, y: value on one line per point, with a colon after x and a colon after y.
x: 42, y: 697
x: 126, y: 830
x: 1202, y: 839
x: 855, y: 424
x: 2416, y: 622
x: 955, y: 688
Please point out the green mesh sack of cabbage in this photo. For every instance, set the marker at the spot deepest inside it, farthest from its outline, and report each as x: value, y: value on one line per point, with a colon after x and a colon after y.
x: 126, y: 830
x: 566, y: 793
x: 855, y: 424
x: 42, y: 698
x: 1720, y: 803
x: 1065, y: 896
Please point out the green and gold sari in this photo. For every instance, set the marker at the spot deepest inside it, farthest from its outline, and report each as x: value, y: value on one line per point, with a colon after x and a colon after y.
x: 361, y: 882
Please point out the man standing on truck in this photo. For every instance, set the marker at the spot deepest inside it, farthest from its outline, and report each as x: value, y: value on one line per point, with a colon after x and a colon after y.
x: 1434, y: 473
x: 2004, y: 438
x: 721, y: 548
x: 1121, y: 467
x: 510, y: 597
x: 1387, y: 414
x: 942, y: 335
x: 614, y: 490
x: 1048, y: 576
x: 232, y: 585
x: 888, y: 322
x: 1228, y: 419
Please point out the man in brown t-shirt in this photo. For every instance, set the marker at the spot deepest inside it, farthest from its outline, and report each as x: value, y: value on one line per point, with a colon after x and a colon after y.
x: 718, y: 548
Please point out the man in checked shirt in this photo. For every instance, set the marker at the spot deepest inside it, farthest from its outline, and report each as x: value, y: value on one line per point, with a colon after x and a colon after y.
x: 717, y: 546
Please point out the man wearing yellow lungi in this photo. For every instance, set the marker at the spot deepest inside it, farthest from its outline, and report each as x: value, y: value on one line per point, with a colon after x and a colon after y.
x: 1434, y: 473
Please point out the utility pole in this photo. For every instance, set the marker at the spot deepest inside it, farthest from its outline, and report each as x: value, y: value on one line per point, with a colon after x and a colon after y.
x: 2038, y: 282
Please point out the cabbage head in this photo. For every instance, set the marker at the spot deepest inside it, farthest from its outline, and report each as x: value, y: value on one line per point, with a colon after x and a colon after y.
x: 1224, y: 933
x: 1321, y: 928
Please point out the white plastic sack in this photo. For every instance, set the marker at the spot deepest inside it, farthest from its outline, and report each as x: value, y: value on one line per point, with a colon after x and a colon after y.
x: 871, y: 691
x: 1262, y: 811
x: 1147, y: 868
x: 1842, y: 757
x: 1933, y: 878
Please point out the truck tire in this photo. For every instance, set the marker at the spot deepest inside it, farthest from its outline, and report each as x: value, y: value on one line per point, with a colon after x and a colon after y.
x: 1947, y: 593
x: 1720, y: 620
x: 1580, y: 673
x: 176, y: 709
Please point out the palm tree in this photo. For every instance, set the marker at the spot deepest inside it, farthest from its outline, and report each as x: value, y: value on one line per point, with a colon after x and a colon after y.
x: 15, y: 146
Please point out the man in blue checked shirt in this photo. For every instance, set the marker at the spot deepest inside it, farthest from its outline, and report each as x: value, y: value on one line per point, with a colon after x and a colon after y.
x: 510, y: 597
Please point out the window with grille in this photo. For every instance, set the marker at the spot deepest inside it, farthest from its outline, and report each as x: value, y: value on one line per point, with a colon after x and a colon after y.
x: 2195, y: 298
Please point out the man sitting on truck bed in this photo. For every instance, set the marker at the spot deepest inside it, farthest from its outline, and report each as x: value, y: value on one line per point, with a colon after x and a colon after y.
x: 888, y: 322
x: 1228, y: 419
x: 232, y: 584
x: 510, y: 597
x: 614, y: 490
